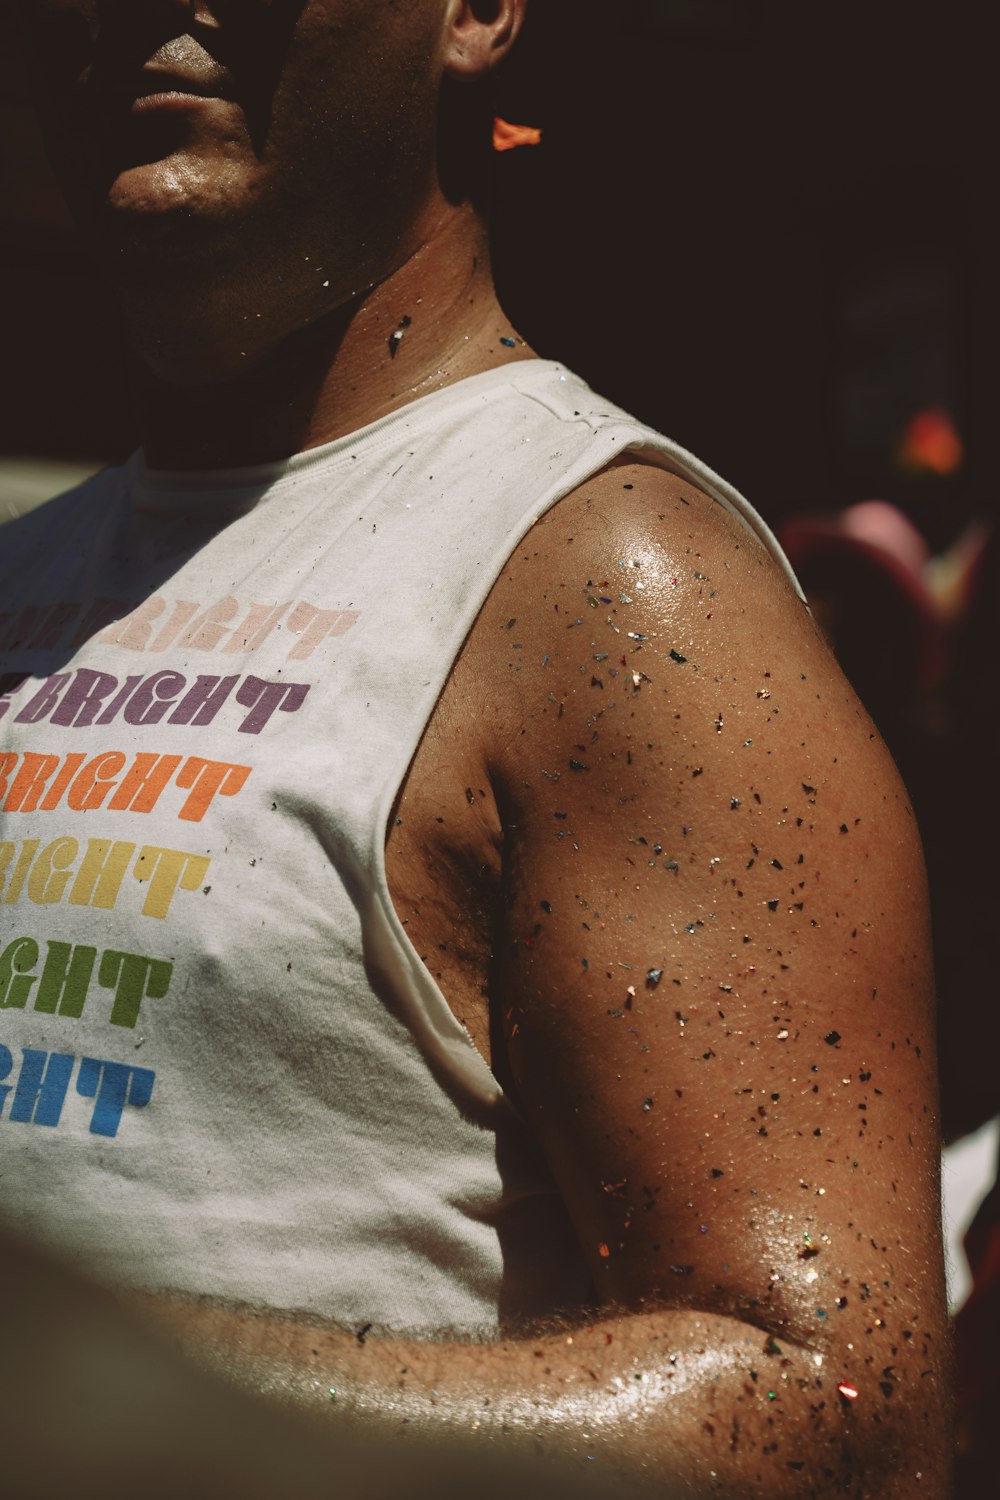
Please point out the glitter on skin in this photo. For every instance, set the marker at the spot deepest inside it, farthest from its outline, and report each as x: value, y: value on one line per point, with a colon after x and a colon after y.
x: 641, y: 752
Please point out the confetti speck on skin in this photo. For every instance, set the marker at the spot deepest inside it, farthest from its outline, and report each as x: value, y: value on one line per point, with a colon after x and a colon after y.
x: 509, y: 343
x: 653, y: 978
x: 849, y: 1392
x: 676, y: 656
x: 396, y: 338
x: 603, y: 1250
x: 832, y: 1038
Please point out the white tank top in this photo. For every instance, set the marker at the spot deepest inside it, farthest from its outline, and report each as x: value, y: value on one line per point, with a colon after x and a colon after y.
x: 223, y: 1067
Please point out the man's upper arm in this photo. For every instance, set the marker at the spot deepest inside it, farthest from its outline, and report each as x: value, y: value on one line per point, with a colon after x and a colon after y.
x: 714, y: 978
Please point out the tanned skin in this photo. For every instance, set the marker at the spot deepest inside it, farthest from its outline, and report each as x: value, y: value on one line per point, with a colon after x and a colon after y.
x: 686, y: 920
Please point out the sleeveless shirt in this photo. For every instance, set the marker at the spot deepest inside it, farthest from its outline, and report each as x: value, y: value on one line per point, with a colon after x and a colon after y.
x: 224, y: 1069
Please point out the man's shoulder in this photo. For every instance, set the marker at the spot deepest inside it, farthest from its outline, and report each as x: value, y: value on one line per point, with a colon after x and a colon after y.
x: 639, y: 537
x: 636, y: 587
x: 652, y: 664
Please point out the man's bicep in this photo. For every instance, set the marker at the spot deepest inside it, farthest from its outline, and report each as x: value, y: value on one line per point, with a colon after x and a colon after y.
x: 714, y: 979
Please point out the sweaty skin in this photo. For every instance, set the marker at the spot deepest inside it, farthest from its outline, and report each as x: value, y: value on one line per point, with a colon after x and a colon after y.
x: 683, y: 912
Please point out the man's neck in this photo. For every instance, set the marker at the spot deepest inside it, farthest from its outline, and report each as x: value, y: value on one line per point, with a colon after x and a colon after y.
x: 434, y: 320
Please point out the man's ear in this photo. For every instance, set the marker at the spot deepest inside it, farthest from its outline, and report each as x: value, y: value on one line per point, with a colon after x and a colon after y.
x: 479, y: 35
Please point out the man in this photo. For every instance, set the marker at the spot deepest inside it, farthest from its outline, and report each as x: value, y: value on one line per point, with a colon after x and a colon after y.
x: 403, y: 695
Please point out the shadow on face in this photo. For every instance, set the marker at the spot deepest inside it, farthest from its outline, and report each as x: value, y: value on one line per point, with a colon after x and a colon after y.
x: 92, y: 60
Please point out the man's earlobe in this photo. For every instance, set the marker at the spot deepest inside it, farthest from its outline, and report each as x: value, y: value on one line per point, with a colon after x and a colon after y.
x: 480, y: 34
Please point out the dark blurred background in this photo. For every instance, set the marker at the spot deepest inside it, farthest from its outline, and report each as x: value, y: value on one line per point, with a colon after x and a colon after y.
x: 764, y: 225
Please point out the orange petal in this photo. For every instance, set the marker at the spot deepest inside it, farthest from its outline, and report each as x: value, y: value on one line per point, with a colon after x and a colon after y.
x: 507, y: 136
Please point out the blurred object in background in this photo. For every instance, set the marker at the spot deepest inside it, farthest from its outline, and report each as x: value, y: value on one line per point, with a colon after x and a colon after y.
x: 954, y: 575
x: 26, y: 482
x: 977, y: 1332
x: 963, y: 832
x: 931, y: 442
x: 900, y: 351
x: 968, y: 1167
x: 864, y: 573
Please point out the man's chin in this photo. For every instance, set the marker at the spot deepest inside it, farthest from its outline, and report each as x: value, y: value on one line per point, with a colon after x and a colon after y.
x: 160, y: 207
